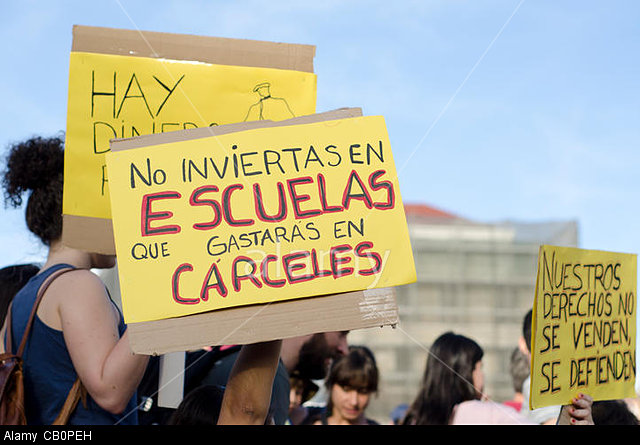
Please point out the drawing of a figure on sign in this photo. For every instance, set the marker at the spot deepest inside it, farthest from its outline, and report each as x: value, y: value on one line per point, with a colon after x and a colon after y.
x: 268, y: 107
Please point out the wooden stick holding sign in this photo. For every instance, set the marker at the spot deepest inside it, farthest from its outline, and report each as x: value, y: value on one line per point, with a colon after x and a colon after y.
x: 171, y: 379
x: 583, y: 326
x: 264, y: 230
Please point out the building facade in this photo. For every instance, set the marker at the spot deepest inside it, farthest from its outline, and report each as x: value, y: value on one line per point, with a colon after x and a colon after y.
x: 475, y: 279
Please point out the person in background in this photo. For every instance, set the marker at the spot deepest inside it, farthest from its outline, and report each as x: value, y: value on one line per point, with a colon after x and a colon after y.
x: 308, y: 356
x: 452, y: 391
x: 398, y: 414
x: 633, y: 403
x: 519, y: 369
x: 613, y: 412
x: 244, y: 401
x: 301, y: 390
x: 351, y: 383
x: 199, y: 407
x: 546, y: 415
x: 12, y: 279
x: 196, y: 364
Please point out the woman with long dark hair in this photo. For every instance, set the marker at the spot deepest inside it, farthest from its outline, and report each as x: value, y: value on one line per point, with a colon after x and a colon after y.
x: 448, y: 380
x: 452, y: 390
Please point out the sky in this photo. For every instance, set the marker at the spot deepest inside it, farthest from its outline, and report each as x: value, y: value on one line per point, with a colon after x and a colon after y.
x: 523, y: 110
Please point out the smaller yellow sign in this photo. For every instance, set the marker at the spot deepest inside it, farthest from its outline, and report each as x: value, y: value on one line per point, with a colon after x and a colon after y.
x: 583, y: 336
x: 115, y: 96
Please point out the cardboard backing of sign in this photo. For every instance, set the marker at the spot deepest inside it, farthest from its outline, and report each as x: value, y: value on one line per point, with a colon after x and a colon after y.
x: 215, y: 50
x: 262, y: 322
x: 96, y: 234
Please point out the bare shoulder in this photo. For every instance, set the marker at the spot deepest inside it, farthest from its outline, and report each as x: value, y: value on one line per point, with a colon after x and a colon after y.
x: 72, y: 295
x: 78, y: 281
x: 76, y: 290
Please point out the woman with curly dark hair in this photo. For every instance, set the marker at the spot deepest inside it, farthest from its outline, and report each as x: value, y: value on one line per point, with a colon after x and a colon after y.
x: 78, y: 331
x: 79, y: 334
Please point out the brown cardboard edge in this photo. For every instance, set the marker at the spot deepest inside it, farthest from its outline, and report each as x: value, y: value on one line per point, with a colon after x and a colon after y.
x: 265, y: 322
x: 339, y: 113
x: 184, y: 135
x: 89, y: 234
x: 215, y: 50
x: 96, y: 234
x: 203, y: 132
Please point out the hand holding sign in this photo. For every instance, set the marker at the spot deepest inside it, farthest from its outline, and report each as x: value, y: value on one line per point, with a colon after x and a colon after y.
x: 578, y: 413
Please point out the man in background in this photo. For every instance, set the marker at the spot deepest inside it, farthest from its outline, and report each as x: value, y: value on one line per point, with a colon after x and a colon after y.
x: 519, y: 368
x: 546, y: 415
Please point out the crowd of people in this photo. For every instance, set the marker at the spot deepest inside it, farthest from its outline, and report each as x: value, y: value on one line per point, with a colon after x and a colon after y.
x: 79, y: 337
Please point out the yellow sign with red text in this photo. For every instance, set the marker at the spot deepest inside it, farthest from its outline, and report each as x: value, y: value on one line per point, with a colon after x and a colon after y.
x: 257, y: 216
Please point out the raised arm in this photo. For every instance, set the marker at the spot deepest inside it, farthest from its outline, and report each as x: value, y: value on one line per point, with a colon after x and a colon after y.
x: 248, y: 392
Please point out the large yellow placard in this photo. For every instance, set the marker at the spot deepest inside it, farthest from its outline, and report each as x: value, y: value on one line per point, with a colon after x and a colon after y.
x: 584, y: 326
x: 115, y: 96
x: 257, y: 216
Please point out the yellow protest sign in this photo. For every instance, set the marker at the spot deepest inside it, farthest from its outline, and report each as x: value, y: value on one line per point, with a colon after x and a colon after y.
x: 584, y: 326
x: 117, y: 97
x: 126, y: 93
x: 257, y: 216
